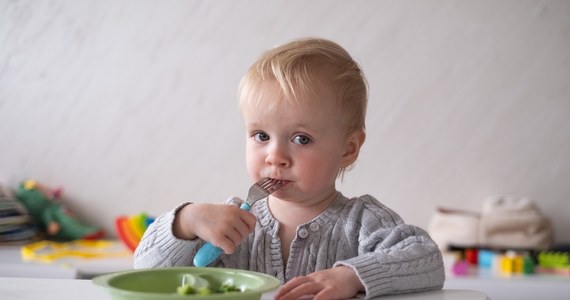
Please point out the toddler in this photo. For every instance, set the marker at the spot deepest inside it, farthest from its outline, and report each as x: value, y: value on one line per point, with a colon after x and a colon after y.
x: 304, y: 106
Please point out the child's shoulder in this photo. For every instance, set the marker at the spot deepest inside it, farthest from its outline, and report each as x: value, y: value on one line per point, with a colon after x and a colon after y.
x: 368, y: 207
x: 365, y: 201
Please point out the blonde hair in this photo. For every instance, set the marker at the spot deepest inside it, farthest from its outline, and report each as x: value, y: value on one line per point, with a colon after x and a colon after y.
x: 303, y: 67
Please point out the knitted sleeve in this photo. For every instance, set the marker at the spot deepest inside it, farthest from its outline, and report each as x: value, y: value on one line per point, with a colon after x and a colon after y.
x: 394, y: 257
x: 160, y: 248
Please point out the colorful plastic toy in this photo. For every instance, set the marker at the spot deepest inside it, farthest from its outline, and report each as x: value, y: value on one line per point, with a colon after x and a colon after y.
x: 460, y: 268
x: 554, y: 262
x: 485, y: 259
x: 471, y: 256
x: 130, y: 229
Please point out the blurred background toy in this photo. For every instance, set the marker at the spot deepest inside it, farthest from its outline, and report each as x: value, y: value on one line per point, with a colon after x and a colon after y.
x: 52, y: 217
x: 130, y: 229
x: 554, y: 262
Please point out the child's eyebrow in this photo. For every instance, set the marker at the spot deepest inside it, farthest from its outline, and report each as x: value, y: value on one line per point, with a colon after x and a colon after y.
x: 252, y: 124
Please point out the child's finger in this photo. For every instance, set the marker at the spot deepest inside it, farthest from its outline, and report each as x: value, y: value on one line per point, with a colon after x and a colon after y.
x: 249, y: 220
x: 298, y: 287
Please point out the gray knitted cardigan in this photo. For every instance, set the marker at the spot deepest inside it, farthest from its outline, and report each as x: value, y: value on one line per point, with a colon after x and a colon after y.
x: 389, y: 257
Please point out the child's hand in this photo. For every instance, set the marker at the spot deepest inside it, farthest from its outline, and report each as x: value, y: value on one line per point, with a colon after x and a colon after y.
x: 337, y: 283
x: 223, y: 225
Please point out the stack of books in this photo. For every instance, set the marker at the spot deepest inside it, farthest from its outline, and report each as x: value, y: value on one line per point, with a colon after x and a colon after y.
x: 15, y: 225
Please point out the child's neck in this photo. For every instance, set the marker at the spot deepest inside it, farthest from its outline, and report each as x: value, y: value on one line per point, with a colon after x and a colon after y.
x: 290, y: 215
x: 297, y: 213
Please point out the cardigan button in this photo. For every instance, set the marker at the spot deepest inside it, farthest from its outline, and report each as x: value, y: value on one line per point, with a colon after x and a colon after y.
x: 303, y: 233
x: 314, y: 227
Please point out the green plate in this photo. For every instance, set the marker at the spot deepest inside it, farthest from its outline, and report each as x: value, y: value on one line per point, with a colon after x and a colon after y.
x: 161, y: 283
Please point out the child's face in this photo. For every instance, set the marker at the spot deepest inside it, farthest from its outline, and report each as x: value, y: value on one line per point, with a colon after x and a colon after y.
x: 303, y: 144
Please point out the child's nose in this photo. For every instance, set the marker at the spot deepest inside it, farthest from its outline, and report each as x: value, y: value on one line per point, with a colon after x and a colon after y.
x: 278, y: 156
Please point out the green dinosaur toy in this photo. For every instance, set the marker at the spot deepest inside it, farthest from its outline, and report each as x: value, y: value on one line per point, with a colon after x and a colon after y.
x: 51, y: 216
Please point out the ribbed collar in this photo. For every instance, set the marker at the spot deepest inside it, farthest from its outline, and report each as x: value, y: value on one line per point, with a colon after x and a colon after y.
x: 270, y: 224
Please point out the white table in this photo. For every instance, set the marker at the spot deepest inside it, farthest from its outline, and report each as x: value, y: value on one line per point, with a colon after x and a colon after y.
x: 503, y: 287
x: 72, y: 289
x: 514, y: 287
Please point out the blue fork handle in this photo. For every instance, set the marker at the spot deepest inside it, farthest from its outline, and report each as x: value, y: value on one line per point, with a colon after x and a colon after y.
x: 208, y: 253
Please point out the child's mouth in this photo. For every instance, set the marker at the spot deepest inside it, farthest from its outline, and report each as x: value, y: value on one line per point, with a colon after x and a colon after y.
x: 282, y: 182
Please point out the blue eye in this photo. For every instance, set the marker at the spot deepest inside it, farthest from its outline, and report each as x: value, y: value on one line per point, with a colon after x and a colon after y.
x: 260, y: 136
x: 302, y: 140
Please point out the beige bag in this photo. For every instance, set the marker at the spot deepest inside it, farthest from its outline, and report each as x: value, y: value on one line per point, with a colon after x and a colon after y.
x: 514, y: 224
x: 453, y: 227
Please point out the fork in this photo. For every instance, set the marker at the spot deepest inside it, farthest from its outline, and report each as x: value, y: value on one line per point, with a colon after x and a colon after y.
x: 259, y: 190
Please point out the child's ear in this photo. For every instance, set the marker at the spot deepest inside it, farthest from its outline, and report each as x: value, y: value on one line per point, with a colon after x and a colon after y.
x: 352, y: 147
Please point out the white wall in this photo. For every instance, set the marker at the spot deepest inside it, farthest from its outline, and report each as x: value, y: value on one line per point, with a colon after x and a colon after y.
x: 131, y: 107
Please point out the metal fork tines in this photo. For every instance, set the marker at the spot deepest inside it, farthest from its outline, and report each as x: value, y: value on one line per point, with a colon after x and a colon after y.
x: 262, y: 189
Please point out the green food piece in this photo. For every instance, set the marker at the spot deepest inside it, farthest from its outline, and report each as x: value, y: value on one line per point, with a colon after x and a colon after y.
x: 195, y: 285
x: 204, y: 291
x: 185, y: 290
x: 195, y: 281
x: 228, y: 287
